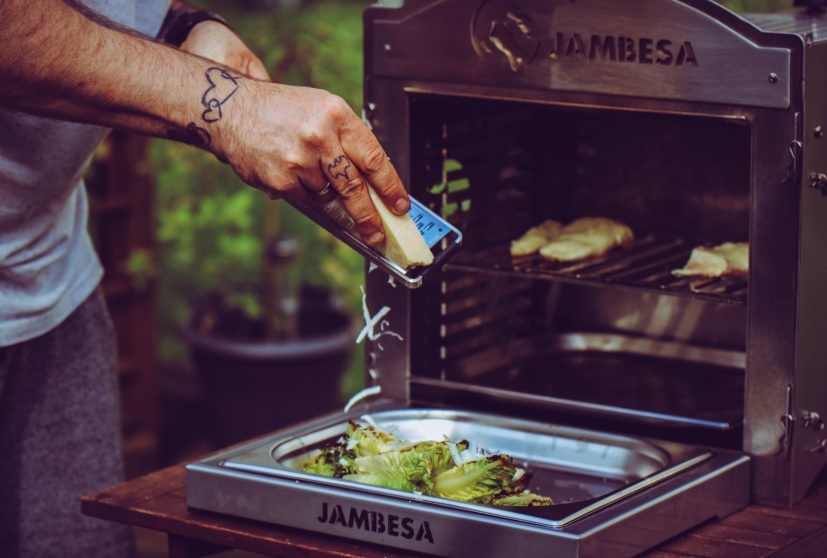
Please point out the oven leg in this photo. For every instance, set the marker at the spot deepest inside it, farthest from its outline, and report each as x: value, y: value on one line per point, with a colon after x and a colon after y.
x: 185, y: 547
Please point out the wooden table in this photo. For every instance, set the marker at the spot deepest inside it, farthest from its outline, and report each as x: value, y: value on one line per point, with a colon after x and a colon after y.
x: 158, y: 501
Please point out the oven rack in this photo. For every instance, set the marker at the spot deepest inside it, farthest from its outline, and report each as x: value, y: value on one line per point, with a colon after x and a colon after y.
x: 645, y: 264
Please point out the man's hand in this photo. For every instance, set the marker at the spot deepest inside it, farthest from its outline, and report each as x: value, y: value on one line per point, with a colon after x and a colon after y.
x: 291, y: 141
x: 215, y: 41
x: 296, y: 142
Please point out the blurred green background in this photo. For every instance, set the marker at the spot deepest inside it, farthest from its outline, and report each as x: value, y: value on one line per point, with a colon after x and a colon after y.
x: 211, y: 227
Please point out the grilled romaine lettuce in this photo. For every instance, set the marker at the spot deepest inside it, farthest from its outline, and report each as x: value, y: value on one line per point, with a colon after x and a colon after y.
x: 445, y: 469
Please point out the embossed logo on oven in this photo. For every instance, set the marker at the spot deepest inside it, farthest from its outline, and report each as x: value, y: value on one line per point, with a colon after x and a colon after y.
x: 504, y: 29
x: 376, y: 522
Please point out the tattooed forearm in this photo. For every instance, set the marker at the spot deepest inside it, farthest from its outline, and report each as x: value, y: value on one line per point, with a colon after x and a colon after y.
x: 222, y: 86
x: 193, y: 135
x: 339, y: 167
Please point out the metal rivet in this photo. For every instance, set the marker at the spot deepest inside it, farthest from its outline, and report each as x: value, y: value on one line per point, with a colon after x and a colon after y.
x: 818, y: 131
x: 773, y: 77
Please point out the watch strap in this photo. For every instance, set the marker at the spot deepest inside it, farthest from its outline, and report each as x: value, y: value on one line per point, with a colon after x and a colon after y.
x: 179, y: 22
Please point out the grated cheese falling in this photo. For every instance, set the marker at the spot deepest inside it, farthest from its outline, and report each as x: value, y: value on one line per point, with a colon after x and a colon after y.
x: 363, y: 394
x: 371, y: 322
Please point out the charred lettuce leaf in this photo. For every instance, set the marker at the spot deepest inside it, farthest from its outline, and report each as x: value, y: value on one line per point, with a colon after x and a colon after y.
x: 369, y: 440
x: 334, y: 460
x: 409, y: 465
x: 474, y: 480
x: 522, y: 499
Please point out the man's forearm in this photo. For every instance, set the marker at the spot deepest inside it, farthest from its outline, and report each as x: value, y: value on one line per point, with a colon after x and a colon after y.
x: 284, y: 140
x: 58, y: 62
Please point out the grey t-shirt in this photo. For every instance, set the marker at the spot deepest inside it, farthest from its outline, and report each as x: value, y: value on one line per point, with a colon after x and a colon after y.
x: 47, y: 263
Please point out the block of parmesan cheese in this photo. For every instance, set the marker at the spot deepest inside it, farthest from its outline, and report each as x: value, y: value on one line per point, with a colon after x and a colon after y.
x: 403, y: 243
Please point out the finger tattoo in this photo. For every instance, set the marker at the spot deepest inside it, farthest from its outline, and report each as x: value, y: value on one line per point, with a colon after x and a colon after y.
x: 340, y: 167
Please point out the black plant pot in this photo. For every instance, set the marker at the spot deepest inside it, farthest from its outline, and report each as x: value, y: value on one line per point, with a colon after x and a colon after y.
x: 254, y: 387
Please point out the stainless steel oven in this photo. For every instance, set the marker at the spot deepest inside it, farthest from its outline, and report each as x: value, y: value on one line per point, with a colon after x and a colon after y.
x: 644, y: 402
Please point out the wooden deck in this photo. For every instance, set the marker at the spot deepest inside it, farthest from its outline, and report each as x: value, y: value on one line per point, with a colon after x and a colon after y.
x: 758, y: 532
x: 158, y: 501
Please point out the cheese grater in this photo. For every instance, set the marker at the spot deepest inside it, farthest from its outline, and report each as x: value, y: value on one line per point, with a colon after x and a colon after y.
x: 441, y: 237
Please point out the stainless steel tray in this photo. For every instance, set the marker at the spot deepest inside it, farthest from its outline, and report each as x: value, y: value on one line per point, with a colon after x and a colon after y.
x: 596, y: 480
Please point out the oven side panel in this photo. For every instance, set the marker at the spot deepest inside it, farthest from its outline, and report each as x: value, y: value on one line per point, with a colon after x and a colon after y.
x: 810, y: 441
x: 771, y: 330
x: 389, y: 346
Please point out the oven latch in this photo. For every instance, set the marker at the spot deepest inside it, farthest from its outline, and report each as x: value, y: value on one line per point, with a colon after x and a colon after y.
x: 818, y: 180
x: 809, y: 419
x: 813, y: 420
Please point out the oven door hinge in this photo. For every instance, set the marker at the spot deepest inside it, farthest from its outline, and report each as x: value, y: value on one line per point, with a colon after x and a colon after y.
x: 789, y: 425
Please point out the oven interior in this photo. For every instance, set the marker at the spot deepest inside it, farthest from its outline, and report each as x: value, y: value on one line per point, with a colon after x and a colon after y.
x: 618, y: 336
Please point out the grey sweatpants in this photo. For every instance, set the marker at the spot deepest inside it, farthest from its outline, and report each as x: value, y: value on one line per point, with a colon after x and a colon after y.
x: 60, y: 439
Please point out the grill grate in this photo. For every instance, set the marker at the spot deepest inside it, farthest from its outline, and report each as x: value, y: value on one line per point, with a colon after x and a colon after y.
x: 646, y: 264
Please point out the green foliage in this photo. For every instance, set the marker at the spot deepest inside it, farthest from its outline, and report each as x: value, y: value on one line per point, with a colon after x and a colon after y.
x: 211, y: 226
x: 141, y: 268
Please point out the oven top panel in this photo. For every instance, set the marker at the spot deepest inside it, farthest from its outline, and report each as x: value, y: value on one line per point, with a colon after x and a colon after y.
x: 663, y: 49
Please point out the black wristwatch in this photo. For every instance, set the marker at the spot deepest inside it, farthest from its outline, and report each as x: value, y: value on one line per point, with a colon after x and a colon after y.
x: 179, y: 22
